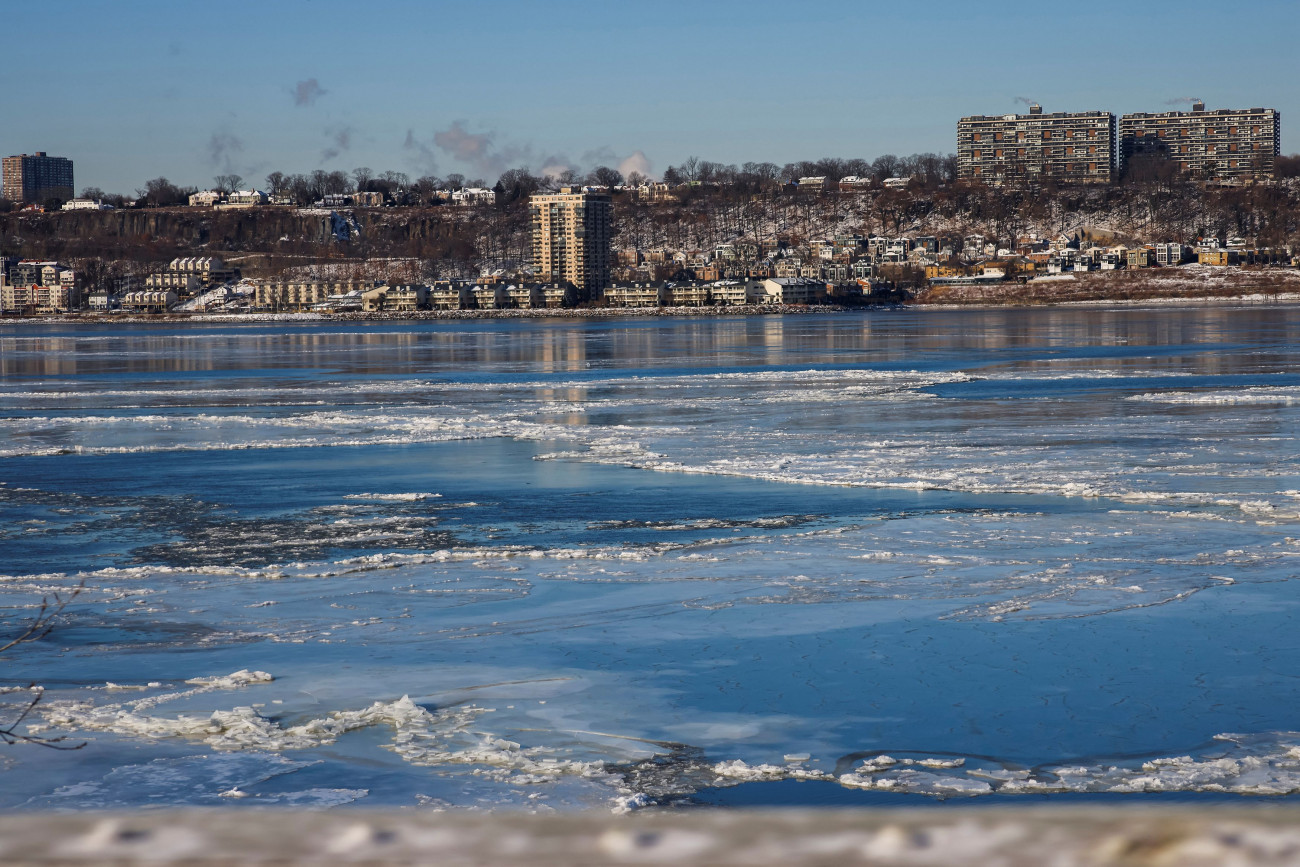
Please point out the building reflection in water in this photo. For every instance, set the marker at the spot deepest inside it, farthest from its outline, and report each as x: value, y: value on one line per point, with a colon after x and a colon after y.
x: 1049, y: 339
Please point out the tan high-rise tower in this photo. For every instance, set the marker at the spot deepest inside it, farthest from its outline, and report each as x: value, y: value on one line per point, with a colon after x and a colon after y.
x: 571, y: 238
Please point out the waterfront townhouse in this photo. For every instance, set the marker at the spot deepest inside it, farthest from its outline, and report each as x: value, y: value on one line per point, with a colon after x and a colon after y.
x: 637, y: 295
x: 786, y: 290
x: 302, y: 295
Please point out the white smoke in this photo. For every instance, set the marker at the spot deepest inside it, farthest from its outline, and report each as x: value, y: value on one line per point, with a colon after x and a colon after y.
x: 637, y: 162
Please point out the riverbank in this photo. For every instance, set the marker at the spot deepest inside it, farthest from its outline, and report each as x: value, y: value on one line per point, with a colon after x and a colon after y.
x: 1188, y: 283
x: 435, y: 315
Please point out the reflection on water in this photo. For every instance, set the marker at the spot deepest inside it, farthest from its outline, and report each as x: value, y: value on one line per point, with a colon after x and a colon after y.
x: 1206, y: 334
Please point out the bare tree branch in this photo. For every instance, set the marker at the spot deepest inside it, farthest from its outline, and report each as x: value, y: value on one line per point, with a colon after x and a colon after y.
x: 45, y: 616
x: 50, y: 608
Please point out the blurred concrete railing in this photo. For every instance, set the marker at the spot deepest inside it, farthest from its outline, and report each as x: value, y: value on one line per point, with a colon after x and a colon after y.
x: 1061, y: 837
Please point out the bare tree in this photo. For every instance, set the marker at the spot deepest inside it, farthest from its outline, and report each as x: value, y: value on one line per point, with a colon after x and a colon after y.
x: 228, y: 183
x: 277, y: 183
x: 604, y: 176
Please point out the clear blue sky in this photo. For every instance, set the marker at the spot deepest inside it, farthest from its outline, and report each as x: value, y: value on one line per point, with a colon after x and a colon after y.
x: 135, y: 89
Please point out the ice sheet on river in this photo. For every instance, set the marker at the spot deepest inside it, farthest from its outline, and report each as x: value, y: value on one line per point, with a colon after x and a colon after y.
x: 1258, y: 764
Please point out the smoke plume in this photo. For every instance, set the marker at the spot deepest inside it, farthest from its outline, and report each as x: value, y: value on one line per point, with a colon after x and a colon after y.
x: 307, y: 92
x: 421, y: 155
x: 478, y: 150
x: 223, y: 148
x: 341, y: 139
x: 637, y: 162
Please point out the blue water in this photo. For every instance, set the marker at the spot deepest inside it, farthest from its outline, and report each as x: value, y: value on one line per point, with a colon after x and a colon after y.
x: 1023, y: 554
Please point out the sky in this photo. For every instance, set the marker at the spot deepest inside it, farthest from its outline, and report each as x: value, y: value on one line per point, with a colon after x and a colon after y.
x: 137, y: 89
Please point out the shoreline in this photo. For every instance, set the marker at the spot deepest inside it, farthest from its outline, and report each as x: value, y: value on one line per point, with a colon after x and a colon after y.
x: 1010, y: 300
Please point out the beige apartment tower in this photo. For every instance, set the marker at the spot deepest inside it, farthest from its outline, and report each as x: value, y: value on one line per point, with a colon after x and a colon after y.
x: 1227, y: 143
x: 571, y: 238
x: 1065, y: 147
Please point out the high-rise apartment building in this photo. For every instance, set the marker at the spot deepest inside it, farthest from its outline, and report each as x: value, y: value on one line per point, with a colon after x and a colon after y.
x: 1227, y: 143
x: 37, y: 177
x: 571, y: 238
x: 1064, y: 147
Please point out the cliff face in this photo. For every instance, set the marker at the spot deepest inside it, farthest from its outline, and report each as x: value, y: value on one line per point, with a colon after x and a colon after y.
x: 162, y: 233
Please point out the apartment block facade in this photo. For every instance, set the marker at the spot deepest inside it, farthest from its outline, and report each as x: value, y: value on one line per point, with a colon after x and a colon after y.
x: 1226, y: 143
x: 571, y: 236
x: 1066, y: 147
x: 37, y: 177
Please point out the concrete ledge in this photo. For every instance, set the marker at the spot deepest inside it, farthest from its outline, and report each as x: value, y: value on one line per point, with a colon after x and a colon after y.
x: 1260, y: 835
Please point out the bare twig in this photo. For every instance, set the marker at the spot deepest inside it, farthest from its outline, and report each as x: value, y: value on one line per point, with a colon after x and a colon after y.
x: 50, y: 609
x: 10, y: 734
x: 41, y: 625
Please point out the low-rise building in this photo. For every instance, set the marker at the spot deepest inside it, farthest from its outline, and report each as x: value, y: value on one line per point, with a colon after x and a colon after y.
x: 190, y: 275
x: 39, y: 299
x: 102, y: 301
x: 1139, y: 257
x: 690, y: 294
x: 86, y: 205
x: 945, y: 269
x: 526, y: 296
x: 245, y: 199
x: 729, y: 293
x: 1171, y: 254
x: 149, y: 301
x: 491, y: 297
x: 205, y: 199
x: 302, y: 295
x: 30, y: 272
x: 405, y: 298
x: 1219, y: 257
x: 786, y: 290
x: 786, y: 268
x: 637, y: 295
x: 450, y: 295
x: 474, y: 196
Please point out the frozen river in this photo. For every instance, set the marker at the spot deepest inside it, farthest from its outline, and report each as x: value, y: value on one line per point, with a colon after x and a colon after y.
x: 886, y: 557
